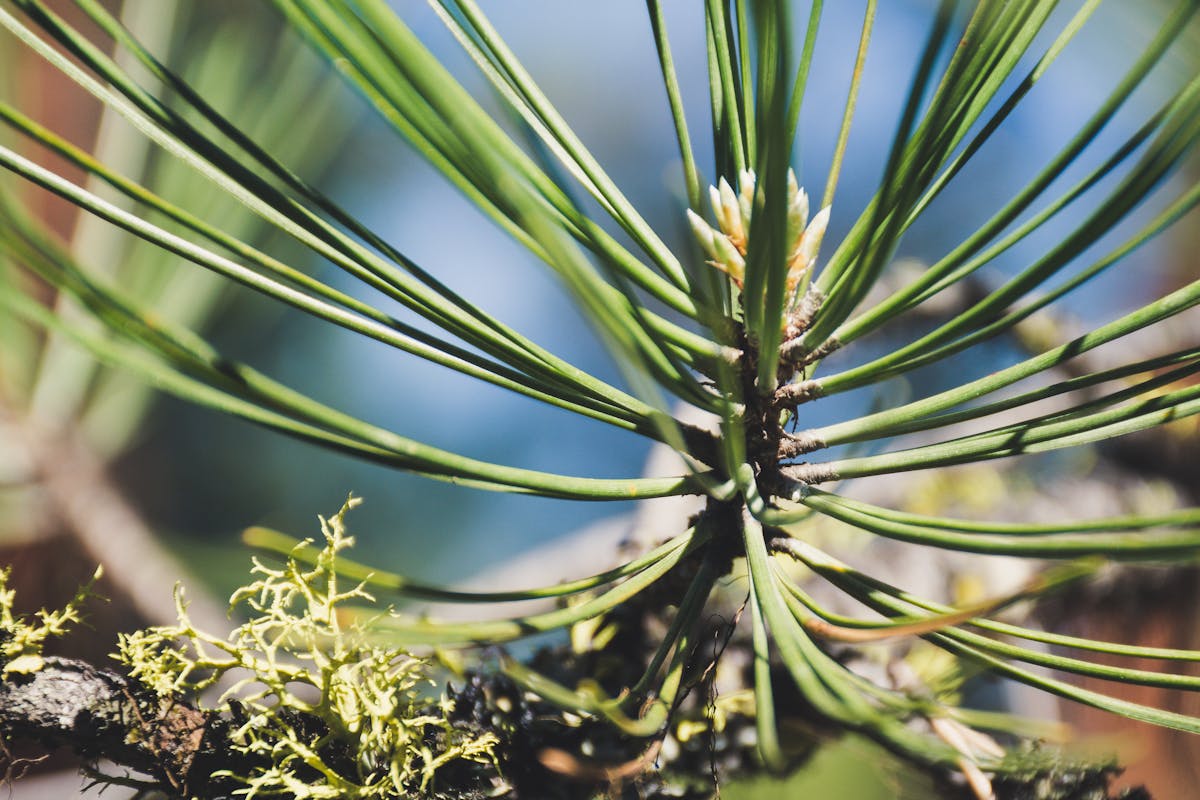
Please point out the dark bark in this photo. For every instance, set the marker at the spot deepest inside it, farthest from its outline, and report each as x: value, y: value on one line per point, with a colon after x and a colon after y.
x: 99, y: 713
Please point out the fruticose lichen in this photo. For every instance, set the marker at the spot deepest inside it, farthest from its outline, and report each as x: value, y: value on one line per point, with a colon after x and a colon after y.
x: 22, y: 639
x: 325, y: 710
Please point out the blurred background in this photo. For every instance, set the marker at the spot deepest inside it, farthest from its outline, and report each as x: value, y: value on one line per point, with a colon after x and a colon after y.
x: 189, y: 481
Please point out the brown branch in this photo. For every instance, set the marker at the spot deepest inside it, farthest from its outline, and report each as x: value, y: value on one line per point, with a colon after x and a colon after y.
x: 97, y: 713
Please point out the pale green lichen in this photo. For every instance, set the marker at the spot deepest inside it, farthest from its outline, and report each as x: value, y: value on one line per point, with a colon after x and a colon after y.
x: 22, y: 639
x: 294, y: 660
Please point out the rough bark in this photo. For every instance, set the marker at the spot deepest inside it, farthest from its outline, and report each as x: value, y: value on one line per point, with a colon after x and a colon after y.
x: 98, y: 713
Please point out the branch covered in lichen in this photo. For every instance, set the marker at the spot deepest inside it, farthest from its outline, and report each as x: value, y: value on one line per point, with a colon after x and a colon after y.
x: 322, y: 712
